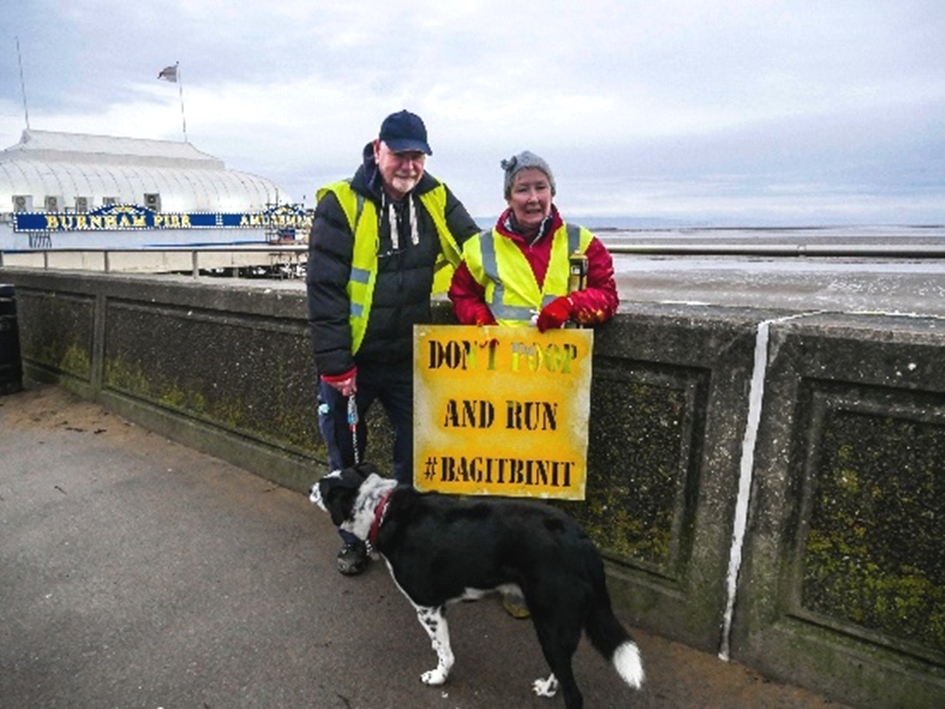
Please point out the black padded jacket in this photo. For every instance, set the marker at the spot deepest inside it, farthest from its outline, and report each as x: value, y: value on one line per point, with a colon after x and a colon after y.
x: 404, y: 276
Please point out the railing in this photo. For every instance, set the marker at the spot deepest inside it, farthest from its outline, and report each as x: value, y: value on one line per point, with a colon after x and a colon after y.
x: 200, y: 258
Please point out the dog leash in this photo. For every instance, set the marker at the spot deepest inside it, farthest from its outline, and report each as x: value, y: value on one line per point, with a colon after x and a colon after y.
x: 353, y: 425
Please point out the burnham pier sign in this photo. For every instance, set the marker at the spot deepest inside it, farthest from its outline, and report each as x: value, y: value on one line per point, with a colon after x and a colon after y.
x: 121, y: 217
x: 501, y: 411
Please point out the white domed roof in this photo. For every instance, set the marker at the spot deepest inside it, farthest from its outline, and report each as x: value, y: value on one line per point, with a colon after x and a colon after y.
x: 94, y: 170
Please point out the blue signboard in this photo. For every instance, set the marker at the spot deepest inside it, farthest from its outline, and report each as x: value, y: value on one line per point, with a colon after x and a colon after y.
x: 121, y: 217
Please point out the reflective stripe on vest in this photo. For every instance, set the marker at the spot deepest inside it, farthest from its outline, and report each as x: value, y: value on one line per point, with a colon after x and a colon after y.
x: 362, y: 220
x: 512, y: 291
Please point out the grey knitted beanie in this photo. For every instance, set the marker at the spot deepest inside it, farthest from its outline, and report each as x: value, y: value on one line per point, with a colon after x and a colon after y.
x: 523, y: 160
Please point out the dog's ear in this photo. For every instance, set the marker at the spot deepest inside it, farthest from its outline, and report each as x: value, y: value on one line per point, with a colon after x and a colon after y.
x: 339, y: 491
x: 339, y: 502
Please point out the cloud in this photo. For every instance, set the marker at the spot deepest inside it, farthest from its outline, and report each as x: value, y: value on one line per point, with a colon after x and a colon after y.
x: 754, y: 109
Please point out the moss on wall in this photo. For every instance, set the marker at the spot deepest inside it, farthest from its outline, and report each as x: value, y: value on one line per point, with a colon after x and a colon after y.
x: 633, y: 496
x: 245, y: 376
x: 58, y: 333
x: 873, y: 554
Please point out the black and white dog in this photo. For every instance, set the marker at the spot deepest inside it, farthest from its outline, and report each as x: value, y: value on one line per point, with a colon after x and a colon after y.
x: 441, y: 549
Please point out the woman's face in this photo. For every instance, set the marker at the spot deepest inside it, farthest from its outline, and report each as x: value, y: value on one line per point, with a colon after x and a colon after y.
x: 530, y: 198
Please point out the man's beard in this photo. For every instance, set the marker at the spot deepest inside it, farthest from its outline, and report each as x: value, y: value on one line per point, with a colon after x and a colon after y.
x: 404, y: 184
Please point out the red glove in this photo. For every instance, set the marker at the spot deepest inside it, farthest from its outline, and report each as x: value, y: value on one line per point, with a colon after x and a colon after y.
x: 345, y: 383
x: 555, y: 314
x: 485, y: 317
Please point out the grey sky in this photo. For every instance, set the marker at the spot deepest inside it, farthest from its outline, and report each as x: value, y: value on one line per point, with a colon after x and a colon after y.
x: 738, y: 112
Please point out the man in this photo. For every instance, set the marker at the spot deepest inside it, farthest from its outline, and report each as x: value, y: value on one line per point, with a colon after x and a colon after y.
x: 378, y: 243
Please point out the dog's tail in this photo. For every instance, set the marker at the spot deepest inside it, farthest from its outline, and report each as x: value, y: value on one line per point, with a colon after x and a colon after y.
x: 610, y: 637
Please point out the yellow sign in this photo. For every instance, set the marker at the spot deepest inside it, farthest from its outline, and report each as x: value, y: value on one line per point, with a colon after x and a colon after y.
x: 501, y: 410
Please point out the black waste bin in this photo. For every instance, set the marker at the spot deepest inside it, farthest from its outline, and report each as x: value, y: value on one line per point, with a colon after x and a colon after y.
x: 11, y: 366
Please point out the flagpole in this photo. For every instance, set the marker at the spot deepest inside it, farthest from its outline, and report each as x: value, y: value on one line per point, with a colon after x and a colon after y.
x: 180, y: 89
x: 19, y: 58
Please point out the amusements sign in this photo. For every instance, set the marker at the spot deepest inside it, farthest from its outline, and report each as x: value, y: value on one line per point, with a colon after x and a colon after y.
x: 501, y: 411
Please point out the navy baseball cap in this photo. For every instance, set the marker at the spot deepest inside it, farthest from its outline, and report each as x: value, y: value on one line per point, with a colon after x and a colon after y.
x: 405, y: 131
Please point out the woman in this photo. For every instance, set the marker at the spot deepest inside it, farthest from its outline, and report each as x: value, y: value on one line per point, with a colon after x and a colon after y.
x: 518, y: 273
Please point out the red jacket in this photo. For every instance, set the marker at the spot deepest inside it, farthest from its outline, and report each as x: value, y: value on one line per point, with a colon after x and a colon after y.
x: 593, y: 305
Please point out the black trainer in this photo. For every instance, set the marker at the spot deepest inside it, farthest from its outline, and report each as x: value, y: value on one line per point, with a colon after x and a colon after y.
x: 352, y: 559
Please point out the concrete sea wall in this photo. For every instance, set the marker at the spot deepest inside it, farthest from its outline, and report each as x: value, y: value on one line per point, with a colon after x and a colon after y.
x: 765, y: 484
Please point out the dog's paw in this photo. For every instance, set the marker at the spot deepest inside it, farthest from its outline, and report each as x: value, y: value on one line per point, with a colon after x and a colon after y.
x: 433, y: 678
x: 545, y: 687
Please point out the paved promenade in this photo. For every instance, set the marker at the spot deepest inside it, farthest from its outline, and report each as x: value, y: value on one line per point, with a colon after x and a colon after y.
x: 137, y: 573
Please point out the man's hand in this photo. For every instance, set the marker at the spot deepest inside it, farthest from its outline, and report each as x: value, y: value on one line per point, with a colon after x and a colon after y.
x: 345, y: 383
x: 555, y: 314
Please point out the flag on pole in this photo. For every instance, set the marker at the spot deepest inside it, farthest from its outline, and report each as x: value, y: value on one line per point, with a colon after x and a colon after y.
x: 172, y: 74
x: 169, y: 73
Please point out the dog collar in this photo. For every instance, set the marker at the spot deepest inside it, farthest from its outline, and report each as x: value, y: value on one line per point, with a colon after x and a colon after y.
x: 379, y: 516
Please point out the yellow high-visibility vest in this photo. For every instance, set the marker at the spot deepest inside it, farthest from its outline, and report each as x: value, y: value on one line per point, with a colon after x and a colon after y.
x: 512, y: 291
x: 362, y: 219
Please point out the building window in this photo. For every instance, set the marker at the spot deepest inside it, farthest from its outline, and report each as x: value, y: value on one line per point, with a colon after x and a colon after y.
x: 109, y: 201
x: 81, y: 204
